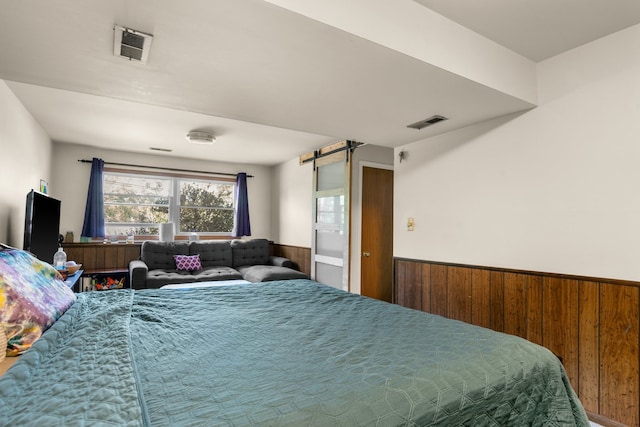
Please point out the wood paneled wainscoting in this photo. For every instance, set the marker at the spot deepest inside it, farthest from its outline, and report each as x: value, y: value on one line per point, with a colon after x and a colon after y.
x: 101, y: 256
x: 299, y: 255
x: 96, y: 257
x: 592, y: 324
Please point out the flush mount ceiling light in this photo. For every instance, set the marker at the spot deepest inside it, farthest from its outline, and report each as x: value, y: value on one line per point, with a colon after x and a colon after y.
x: 201, y: 137
x: 131, y: 44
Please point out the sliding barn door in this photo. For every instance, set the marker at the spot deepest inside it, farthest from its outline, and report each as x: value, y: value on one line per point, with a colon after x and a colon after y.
x: 330, y: 241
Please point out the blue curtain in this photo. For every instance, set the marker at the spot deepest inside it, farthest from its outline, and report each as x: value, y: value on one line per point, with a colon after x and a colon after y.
x: 94, y: 211
x: 241, y: 224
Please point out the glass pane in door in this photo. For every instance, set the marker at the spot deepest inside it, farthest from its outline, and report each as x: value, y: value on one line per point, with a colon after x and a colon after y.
x: 329, y: 275
x: 330, y: 176
x: 330, y: 209
x: 329, y: 243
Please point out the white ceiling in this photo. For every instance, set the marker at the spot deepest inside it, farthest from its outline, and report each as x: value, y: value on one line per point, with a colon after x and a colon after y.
x: 539, y: 29
x: 270, y: 83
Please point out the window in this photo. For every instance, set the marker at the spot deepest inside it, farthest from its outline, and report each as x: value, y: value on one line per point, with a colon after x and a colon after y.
x: 206, y: 206
x: 137, y: 203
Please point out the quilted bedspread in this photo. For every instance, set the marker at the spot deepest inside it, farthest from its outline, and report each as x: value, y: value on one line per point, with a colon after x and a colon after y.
x: 291, y: 353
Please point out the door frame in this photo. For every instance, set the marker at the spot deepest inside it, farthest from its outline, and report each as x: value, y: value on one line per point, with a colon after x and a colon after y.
x: 356, y: 227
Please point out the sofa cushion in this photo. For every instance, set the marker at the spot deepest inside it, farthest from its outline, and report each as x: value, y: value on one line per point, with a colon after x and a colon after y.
x: 215, y: 274
x: 160, y: 277
x: 250, y: 252
x: 212, y: 253
x: 282, y: 262
x: 268, y: 273
x: 159, y: 255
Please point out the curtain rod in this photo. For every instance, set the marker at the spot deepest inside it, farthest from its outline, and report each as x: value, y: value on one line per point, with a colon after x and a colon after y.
x: 166, y: 169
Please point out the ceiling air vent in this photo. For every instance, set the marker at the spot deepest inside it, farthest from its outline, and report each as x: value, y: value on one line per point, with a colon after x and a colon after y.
x: 131, y: 44
x: 427, y: 122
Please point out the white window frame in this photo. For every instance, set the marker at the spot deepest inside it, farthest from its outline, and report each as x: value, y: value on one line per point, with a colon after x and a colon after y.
x: 174, y: 200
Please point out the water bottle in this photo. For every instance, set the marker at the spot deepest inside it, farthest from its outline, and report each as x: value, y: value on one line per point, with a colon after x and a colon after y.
x: 60, y: 259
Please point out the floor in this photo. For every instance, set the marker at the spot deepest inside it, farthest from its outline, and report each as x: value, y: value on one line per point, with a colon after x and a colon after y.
x: 4, y: 365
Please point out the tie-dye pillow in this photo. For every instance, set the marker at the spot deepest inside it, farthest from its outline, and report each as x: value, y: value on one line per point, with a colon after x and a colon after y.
x: 32, y: 297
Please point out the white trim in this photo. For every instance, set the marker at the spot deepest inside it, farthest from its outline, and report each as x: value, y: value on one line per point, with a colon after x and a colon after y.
x: 173, y: 198
x: 324, y: 259
x: 328, y: 226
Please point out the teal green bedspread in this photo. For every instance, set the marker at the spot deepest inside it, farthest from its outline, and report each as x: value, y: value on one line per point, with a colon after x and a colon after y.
x: 290, y: 353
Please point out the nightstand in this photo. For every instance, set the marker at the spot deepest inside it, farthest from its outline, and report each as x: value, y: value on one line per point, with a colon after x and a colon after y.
x: 72, y: 280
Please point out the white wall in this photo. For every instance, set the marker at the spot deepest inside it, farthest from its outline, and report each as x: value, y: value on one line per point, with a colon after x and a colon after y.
x: 555, y: 189
x: 71, y: 179
x: 25, y: 150
x: 292, y: 189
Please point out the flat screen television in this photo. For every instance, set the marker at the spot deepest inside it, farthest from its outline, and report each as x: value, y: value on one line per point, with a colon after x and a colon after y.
x: 42, y: 226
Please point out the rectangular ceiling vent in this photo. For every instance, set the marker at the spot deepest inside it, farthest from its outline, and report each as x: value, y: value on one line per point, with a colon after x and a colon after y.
x: 131, y: 44
x: 427, y: 122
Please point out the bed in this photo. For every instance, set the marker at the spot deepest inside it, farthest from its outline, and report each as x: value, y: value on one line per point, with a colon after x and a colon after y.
x: 288, y: 353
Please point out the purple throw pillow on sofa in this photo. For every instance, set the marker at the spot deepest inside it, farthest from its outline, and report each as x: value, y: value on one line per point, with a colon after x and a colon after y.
x: 188, y: 262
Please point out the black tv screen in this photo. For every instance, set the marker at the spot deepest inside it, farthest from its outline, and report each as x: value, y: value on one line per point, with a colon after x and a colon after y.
x: 41, y: 226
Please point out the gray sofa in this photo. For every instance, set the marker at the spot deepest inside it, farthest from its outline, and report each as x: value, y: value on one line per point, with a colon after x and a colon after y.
x: 220, y: 259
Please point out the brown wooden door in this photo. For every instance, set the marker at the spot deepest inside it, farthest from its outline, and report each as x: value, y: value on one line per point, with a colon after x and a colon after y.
x: 377, y: 233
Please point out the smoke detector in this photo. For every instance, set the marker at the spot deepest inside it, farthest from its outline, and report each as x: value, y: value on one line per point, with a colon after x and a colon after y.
x: 201, y: 137
x: 131, y: 44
